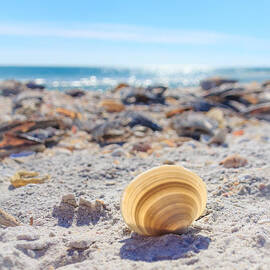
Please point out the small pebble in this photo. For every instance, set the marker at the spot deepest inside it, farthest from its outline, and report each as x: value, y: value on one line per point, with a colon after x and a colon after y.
x: 118, y: 153
x: 81, y: 242
x: 28, y: 236
x: 168, y: 162
x: 234, y: 161
x: 51, y: 234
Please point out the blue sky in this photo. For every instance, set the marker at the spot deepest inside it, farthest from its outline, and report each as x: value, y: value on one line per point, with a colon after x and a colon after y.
x: 134, y: 33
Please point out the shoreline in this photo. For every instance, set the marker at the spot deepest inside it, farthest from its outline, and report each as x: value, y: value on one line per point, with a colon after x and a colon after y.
x: 107, y: 77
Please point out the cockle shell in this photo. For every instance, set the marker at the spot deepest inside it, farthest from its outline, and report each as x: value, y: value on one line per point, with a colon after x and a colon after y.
x: 164, y: 199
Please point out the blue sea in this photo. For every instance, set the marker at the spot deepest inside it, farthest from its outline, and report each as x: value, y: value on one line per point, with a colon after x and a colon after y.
x: 103, y: 78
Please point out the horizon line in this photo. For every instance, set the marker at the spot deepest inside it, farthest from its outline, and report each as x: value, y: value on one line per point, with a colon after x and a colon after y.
x: 198, y: 66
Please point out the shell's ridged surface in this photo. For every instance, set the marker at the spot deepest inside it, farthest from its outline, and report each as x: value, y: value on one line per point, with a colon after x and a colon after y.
x: 164, y: 199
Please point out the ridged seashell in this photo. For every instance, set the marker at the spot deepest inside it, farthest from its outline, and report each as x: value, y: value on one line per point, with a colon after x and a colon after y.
x: 164, y: 199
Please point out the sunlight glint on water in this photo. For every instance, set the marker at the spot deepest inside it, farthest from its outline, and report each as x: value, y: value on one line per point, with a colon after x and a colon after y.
x: 102, y: 78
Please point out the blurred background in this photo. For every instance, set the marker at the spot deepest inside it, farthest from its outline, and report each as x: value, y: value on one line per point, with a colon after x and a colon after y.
x: 97, y: 44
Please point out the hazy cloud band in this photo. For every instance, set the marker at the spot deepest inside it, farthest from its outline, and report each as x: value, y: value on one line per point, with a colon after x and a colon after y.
x: 127, y: 33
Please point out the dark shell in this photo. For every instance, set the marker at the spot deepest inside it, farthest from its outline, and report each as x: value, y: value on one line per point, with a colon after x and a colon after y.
x: 148, y: 95
x: 194, y: 125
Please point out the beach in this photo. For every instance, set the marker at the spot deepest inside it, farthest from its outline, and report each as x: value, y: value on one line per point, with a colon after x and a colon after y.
x: 86, y: 146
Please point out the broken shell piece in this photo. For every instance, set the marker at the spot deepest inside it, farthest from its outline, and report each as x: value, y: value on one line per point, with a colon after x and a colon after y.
x: 111, y: 105
x: 233, y: 161
x: 261, y: 111
x: 7, y: 220
x: 120, y: 86
x: 75, y: 93
x: 165, y: 199
x: 219, y: 137
x: 14, y: 143
x: 91, y: 212
x: 141, y: 147
x: 69, y: 199
x: 168, y: 162
x: 210, y: 83
x: 69, y: 113
x: 194, y: 125
x: 94, y: 206
x: 23, y: 178
x: 84, y: 202
x: 148, y: 95
x: 80, y: 241
x: 110, y: 132
x: 218, y: 115
x: 174, y: 112
x: 65, y: 210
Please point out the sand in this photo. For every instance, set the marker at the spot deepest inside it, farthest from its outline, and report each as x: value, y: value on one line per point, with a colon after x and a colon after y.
x: 234, y: 233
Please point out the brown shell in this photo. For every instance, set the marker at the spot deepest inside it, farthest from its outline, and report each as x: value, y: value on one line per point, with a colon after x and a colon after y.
x: 111, y: 105
x: 164, y: 199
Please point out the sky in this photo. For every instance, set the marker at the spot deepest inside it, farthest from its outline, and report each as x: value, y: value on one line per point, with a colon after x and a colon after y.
x: 135, y: 33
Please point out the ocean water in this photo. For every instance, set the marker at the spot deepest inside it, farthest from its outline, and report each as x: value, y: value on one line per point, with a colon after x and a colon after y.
x: 103, y: 78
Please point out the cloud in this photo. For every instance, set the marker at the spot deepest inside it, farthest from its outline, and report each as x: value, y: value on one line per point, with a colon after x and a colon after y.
x: 129, y: 33
x: 114, y: 32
